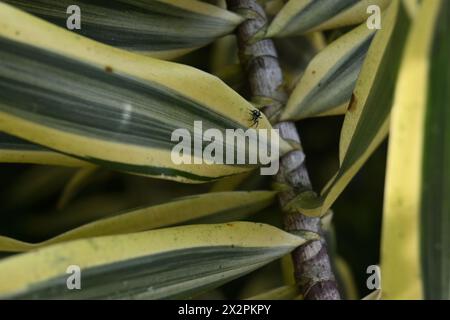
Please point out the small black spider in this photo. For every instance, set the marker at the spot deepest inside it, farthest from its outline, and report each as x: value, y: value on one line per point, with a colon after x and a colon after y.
x: 256, y: 115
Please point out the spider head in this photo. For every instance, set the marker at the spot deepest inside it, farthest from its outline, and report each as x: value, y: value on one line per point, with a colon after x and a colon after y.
x: 256, y: 113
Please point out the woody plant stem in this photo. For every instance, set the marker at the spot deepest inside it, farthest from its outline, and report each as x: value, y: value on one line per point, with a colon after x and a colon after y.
x: 313, y: 271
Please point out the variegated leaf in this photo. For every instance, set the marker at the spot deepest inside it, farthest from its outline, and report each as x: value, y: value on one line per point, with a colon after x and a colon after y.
x: 302, y: 16
x: 160, y: 28
x: 15, y: 150
x: 111, y: 107
x: 328, y: 82
x: 366, y: 122
x: 211, y: 207
x: 415, y: 255
x: 165, y: 263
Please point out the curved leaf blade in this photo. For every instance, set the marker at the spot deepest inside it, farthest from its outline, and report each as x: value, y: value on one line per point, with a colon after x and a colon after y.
x: 15, y: 150
x: 415, y: 257
x: 146, y: 264
x: 301, y: 16
x: 287, y: 292
x: 159, y: 28
x: 213, y: 207
x: 107, y: 106
x: 77, y: 182
x: 328, y: 82
x: 367, y: 119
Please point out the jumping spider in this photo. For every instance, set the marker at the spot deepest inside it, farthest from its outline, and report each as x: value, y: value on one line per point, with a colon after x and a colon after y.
x: 256, y: 115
